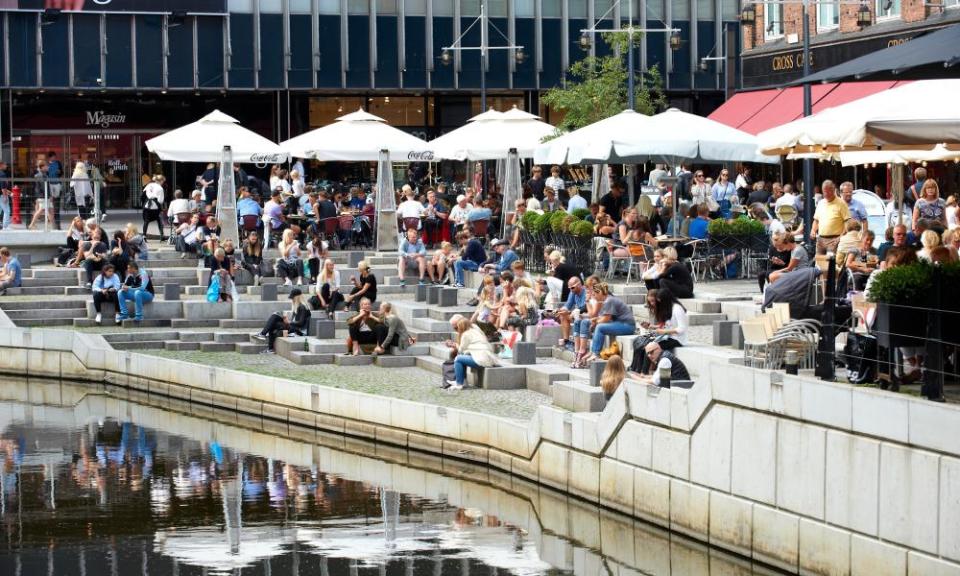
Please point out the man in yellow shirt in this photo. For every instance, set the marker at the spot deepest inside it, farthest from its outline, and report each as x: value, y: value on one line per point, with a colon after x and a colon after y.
x: 828, y: 221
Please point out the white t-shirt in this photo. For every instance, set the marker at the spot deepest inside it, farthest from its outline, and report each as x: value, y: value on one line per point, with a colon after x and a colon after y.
x: 178, y: 206
x: 410, y: 209
x: 153, y: 191
x: 556, y: 183
x: 297, y: 187
x: 787, y: 200
x: 576, y: 202
x: 679, y: 321
x: 458, y: 214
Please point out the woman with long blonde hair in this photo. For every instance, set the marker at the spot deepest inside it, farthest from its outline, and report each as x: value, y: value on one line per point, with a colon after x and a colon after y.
x: 328, y: 287
x: 930, y: 206
x: 289, y: 265
x: 613, y: 374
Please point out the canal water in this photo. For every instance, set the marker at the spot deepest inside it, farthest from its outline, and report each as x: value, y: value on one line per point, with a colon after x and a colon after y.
x: 93, y: 484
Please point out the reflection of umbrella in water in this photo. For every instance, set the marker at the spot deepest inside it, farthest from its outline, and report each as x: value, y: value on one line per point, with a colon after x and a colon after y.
x: 208, y: 547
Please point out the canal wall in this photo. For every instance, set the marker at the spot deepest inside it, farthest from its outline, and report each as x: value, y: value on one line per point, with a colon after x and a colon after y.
x: 804, y: 475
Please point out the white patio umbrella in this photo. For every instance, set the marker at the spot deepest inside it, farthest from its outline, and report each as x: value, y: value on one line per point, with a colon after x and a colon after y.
x: 915, y: 116
x: 675, y: 135
x: 592, y: 143
x: 203, y: 141
x: 939, y: 153
x: 357, y: 137
x: 491, y: 136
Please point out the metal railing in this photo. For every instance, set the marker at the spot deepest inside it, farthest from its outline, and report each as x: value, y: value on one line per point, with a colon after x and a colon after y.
x: 48, y: 204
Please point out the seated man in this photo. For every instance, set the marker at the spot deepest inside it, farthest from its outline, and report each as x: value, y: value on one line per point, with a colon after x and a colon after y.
x: 575, y: 305
x: 661, y: 359
x: 365, y: 328
x: 138, y: 288
x: 502, y: 258
x: 471, y: 258
x: 434, y: 216
x: 413, y: 253
x: 10, y: 271
x: 409, y: 209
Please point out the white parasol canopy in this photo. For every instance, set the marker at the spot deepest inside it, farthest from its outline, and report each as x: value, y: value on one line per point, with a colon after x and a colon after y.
x: 592, y: 143
x: 914, y: 116
x: 203, y: 141
x: 675, y: 134
x: 357, y: 137
x: 939, y: 153
x: 491, y: 135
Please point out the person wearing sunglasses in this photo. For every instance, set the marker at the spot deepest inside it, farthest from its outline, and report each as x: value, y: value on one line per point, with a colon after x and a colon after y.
x: 725, y: 194
x: 699, y: 189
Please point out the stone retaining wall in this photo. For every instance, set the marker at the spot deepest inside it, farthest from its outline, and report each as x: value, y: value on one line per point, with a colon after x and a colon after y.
x: 805, y: 475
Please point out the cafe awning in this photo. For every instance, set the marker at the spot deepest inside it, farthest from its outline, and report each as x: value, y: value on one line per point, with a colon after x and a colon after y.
x: 759, y: 110
x: 937, y: 53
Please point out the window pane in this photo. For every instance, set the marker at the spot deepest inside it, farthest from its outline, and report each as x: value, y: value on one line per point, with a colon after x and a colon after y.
x: 55, y: 53
x: 469, y: 7
x: 654, y: 13
x: 241, y: 42
x: 773, y: 21
x: 119, y: 69
x: 827, y: 16
x: 149, y: 50
x: 705, y: 9
x: 497, y: 8
x: 86, y: 49
x: 358, y: 6
x: 731, y: 10
x: 600, y: 8
x: 398, y: 110
x: 524, y: 8
x: 209, y: 51
x: 330, y: 7
x: 888, y: 8
x: 442, y: 7
x: 578, y: 8
x: 386, y: 7
x: 23, y: 43
x: 415, y: 7
x: 180, y: 61
x: 271, y: 6
x: 300, y: 6
x: 242, y: 6
x: 681, y: 10
x: 325, y: 110
x: 552, y: 8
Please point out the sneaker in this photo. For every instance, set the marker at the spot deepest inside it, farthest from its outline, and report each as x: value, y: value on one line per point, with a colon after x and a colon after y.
x: 422, y: 282
x: 452, y: 385
x: 183, y: 255
x: 268, y: 351
x: 473, y: 302
x: 98, y: 318
x: 87, y: 285
x: 256, y: 280
x: 403, y: 282
x: 288, y: 282
x: 259, y: 337
x: 458, y: 285
x: 116, y: 319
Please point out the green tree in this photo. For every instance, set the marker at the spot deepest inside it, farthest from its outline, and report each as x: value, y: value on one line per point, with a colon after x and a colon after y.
x: 596, y: 87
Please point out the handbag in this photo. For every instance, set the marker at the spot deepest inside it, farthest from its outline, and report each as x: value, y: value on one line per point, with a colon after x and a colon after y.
x: 213, y: 291
x: 611, y: 350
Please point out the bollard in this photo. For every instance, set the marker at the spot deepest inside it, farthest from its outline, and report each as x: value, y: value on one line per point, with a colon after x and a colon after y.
x: 665, y: 377
x: 525, y: 353
x: 322, y: 328
x: 15, y: 219
x: 353, y: 259
x: 421, y: 295
x: 792, y: 362
x: 448, y: 297
x: 596, y: 371
x: 268, y: 293
x: 171, y: 291
x: 433, y: 294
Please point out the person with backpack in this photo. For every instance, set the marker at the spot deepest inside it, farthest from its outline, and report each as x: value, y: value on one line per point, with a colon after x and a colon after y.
x: 152, y: 199
x: 136, y: 288
x: 915, y: 191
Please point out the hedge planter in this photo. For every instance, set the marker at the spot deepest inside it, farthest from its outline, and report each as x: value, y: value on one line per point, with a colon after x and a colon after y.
x: 900, y: 326
x: 755, y: 242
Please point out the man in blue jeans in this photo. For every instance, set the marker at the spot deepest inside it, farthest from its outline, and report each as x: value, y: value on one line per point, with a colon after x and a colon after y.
x: 473, y: 257
x: 614, y: 319
x: 137, y: 287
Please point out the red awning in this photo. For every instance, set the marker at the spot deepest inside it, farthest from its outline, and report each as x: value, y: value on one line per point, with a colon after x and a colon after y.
x: 761, y: 110
x: 737, y: 110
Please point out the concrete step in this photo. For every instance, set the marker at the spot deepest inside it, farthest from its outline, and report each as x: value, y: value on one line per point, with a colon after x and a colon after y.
x: 39, y: 291
x: 702, y: 319
x: 345, y: 360
x: 144, y: 345
x: 242, y: 324
x: 190, y: 323
x: 439, y: 351
x: 389, y: 361
x: 578, y: 396
x: 58, y: 303
x: 249, y: 347
x: 146, y: 323
x: 445, y: 314
x: 38, y: 313
x: 415, y: 350
x: 119, y: 337
x: 309, y: 359
x: 196, y: 336
x: 177, y: 345
x: 430, y: 364
x: 232, y: 337
x: 217, y: 347
x: 46, y: 322
x: 315, y: 346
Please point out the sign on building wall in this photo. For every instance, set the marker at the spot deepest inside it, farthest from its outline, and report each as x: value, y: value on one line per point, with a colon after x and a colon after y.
x: 118, y: 5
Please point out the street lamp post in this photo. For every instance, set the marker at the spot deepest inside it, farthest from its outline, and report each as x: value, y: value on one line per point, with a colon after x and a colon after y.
x: 864, y: 18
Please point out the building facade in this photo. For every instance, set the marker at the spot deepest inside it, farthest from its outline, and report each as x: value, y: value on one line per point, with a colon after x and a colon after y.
x: 97, y: 82
x: 772, y: 45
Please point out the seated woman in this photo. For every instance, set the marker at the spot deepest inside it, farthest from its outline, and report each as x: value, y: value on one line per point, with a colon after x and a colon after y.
x: 396, y: 333
x: 251, y: 257
x: 488, y: 307
x: 674, y: 276
x: 365, y: 328
x: 785, y: 242
x: 120, y: 251
x: 188, y: 237
x: 295, y: 322
x: 138, y: 243
x: 670, y: 320
x: 613, y: 374
x: 76, y: 234
x: 328, y: 287
x: 603, y: 224
x: 473, y: 350
x: 560, y: 272
x: 613, y: 319
x: 223, y: 268
x: 861, y: 261
x: 289, y: 265
x: 442, y: 261
x: 105, y: 288
x: 364, y: 286
x: 92, y: 255
x: 317, y: 251
x: 651, y: 275
x: 137, y: 288
x: 522, y: 306
x: 582, y: 322
x: 779, y: 258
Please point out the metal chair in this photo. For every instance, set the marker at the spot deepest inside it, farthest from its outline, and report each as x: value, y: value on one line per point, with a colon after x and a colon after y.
x: 641, y: 255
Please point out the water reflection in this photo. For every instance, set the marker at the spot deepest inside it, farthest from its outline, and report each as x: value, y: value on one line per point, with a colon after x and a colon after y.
x: 92, y: 484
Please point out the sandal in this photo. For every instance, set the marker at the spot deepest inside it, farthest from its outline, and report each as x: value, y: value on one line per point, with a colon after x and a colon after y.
x: 576, y: 361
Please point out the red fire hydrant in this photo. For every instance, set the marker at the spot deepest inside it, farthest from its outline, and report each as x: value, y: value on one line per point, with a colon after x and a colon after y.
x: 16, y: 204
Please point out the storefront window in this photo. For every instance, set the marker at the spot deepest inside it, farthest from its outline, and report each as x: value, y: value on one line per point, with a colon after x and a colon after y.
x: 119, y: 64
x: 86, y: 50
x: 552, y: 8
x: 399, y: 110
x: 500, y: 103
x: 773, y: 21
x: 325, y: 110
x: 887, y: 9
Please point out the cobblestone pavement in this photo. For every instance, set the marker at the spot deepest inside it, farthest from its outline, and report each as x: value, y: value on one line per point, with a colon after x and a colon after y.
x: 413, y: 384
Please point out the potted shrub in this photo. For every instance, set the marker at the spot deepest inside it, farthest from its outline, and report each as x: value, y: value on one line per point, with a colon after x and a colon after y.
x: 581, y: 229
x: 901, y: 293
x: 738, y: 234
x: 581, y: 213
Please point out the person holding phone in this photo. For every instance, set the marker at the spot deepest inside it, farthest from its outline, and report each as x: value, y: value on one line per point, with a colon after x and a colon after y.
x: 295, y: 322
x: 105, y: 288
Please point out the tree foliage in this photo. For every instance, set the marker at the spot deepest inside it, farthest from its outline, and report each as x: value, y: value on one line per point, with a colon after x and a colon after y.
x: 596, y: 87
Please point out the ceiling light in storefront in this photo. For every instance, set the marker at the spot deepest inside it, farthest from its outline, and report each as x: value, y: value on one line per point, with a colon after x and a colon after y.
x: 864, y: 16
x: 386, y: 99
x: 446, y: 57
x: 749, y: 14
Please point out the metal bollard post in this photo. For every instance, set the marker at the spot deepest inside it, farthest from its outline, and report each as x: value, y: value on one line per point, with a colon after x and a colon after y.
x: 664, y: 377
x: 792, y: 362
x: 825, y: 369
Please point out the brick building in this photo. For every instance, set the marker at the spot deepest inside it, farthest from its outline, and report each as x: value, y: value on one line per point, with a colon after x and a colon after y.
x: 772, y: 52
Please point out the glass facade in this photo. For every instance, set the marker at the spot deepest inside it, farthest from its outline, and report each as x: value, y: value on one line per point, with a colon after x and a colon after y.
x: 321, y: 44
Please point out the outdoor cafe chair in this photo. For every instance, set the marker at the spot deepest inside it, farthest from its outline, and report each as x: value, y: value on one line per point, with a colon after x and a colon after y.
x: 641, y: 256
